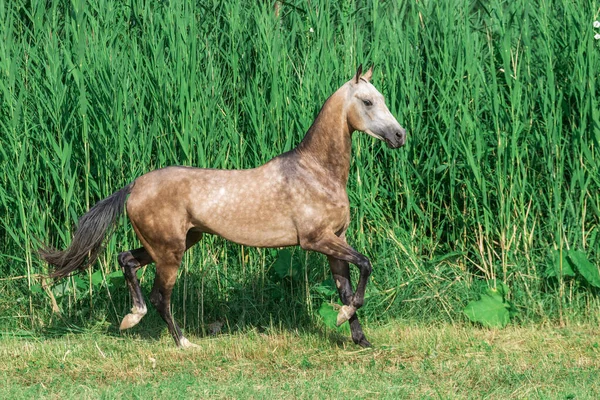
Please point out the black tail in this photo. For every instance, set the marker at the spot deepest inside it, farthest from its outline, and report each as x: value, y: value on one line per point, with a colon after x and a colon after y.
x: 87, y: 240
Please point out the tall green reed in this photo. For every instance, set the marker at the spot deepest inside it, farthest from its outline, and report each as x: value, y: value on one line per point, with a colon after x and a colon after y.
x: 501, y: 166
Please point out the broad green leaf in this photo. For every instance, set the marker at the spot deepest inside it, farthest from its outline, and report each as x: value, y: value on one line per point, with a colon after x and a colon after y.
x: 498, y: 289
x: 283, y: 265
x: 488, y: 311
x: 80, y: 284
x: 588, y: 270
x: 559, y: 266
x: 326, y: 288
x: 97, y: 278
x: 329, y: 315
x: 116, y: 278
x: 495, y: 293
x: 60, y: 290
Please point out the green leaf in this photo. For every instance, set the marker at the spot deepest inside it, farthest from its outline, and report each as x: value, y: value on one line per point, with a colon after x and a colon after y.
x: 283, y: 265
x: 326, y: 288
x: 512, y: 310
x: 60, y: 290
x: 444, y: 257
x: 37, y: 288
x: 329, y: 315
x: 97, y: 278
x: 559, y: 266
x: 588, y: 270
x: 80, y: 284
x: 497, y: 289
x: 441, y: 168
x: 490, y: 311
x: 115, y: 278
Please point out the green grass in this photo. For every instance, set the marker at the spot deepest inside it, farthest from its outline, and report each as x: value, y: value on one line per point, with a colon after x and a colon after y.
x: 408, y: 361
x: 500, y: 171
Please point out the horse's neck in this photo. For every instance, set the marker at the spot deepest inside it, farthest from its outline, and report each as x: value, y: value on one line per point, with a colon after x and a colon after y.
x: 328, y: 141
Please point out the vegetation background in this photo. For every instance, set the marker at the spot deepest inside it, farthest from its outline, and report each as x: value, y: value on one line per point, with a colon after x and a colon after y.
x: 499, y: 180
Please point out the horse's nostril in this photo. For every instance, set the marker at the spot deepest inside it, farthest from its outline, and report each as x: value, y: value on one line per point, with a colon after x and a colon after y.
x: 401, y: 136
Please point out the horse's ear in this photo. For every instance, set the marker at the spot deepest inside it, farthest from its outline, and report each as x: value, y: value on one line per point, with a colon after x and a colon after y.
x: 358, y: 72
x: 367, y: 76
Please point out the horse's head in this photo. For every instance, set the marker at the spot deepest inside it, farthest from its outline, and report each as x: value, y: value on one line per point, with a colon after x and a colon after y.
x: 367, y: 112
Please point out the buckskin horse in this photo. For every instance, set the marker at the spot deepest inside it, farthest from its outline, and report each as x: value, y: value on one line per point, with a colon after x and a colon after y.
x: 297, y: 198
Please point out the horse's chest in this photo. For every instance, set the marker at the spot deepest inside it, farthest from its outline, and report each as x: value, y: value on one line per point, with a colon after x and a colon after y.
x: 325, y: 214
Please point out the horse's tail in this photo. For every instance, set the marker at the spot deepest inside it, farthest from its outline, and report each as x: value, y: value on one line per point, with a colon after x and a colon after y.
x: 87, y: 241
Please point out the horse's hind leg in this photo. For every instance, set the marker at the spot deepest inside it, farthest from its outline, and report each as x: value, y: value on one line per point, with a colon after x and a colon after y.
x: 166, y: 275
x: 341, y: 276
x: 130, y: 261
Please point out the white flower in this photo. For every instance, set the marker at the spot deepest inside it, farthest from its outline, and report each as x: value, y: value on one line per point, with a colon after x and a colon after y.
x: 597, y: 36
x: 311, y: 30
x: 596, y: 24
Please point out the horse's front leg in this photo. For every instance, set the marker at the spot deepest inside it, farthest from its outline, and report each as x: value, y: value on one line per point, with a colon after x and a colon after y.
x: 334, y: 246
x: 340, y: 271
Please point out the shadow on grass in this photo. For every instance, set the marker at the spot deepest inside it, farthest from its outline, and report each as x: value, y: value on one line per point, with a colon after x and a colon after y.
x: 261, y: 304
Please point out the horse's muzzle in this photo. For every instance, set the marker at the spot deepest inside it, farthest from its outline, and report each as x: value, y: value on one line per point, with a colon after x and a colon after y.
x: 396, y: 138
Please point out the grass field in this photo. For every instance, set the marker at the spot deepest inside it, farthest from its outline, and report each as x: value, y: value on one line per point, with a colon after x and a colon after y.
x: 408, y: 361
x: 493, y: 203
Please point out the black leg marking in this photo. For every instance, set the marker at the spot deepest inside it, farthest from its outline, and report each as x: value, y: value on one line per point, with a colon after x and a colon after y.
x: 341, y: 276
x: 130, y: 262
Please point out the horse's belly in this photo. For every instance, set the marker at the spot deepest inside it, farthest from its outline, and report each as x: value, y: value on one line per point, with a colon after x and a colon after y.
x: 261, y: 238
x: 251, y: 223
x: 245, y: 206
x: 255, y: 230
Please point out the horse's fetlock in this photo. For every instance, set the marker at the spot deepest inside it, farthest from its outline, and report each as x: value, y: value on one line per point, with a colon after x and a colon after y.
x: 357, y: 301
x: 357, y: 338
x: 366, y: 267
x: 139, y: 310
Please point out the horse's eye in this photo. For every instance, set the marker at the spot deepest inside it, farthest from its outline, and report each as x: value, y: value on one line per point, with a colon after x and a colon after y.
x: 367, y: 103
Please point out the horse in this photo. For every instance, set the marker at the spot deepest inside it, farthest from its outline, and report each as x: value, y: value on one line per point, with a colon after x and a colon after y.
x: 297, y: 198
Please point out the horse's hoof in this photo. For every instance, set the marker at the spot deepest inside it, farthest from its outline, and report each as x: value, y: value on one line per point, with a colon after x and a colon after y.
x: 186, y: 344
x: 346, y: 312
x: 363, y: 342
x: 130, y: 320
